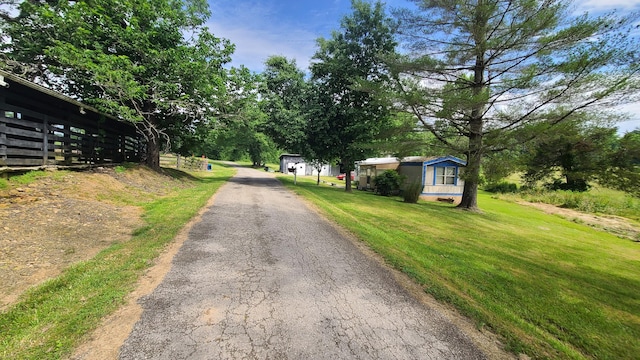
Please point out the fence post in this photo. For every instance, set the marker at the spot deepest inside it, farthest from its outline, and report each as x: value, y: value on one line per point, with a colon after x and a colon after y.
x: 66, y: 142
x: 3, y: 135
x: 3, y: 141
x: 45, y: 140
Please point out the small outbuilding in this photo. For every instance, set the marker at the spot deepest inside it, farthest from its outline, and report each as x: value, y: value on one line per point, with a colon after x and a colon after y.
x: 290, y: 161
x: 439, y: 176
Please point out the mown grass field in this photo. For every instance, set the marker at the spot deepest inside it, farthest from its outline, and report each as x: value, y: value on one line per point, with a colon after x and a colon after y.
x: 50, y: 320
x: 551, y: 288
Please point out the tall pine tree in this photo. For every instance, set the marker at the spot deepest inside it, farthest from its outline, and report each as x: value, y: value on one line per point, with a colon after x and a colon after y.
x: 476, y: 70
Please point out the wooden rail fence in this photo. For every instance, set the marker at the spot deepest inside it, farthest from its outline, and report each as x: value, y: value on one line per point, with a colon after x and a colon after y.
x: 39, y: 127
x: 192, y: 163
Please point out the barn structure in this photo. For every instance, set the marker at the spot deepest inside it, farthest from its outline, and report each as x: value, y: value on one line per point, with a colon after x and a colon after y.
x: 40, y: 127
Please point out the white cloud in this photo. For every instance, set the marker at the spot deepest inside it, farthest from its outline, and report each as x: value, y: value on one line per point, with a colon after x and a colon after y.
x: 633, y: 110
x: 606, y: 5
x: 627, y: 126
x: 261, y: 28
x: 255, y: 45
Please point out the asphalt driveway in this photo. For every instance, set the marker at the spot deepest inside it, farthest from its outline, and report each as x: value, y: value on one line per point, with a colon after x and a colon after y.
x: 264, y: 277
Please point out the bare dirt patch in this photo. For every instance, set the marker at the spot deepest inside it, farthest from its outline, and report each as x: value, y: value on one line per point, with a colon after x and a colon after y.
x: 615, y: 225
x: 57, y: 221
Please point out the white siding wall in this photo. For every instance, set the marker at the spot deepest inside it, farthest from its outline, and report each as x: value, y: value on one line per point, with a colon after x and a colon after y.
x: 442, y: 190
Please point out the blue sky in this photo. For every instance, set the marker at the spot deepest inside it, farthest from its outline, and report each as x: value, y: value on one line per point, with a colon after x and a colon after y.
x: 261, y: 28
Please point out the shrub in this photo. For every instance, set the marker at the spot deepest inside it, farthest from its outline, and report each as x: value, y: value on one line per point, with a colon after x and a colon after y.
x: 502, y: 187
x: 388, y: 183
x: 28, y: 177
x: 412, y: 193
x: 579, y: 185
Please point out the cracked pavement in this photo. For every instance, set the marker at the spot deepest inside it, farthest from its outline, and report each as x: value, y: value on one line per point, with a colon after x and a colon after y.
x: 262, y: 276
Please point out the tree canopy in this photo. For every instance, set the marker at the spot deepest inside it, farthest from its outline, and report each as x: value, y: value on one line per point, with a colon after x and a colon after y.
x: 572, y: 156
x: 623, y: 172
x: 150, y: 62
x: 284, y: 94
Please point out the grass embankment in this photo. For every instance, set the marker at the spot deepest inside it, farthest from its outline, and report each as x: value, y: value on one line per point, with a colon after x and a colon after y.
x: 51, y: 319
x: 549, y: 287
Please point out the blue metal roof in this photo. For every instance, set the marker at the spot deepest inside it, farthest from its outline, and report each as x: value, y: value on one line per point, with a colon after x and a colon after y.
x: 445, y: 159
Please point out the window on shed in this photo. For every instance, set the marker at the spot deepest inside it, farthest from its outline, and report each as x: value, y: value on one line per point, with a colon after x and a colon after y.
x: 12, y: 115
x: 446, y: 175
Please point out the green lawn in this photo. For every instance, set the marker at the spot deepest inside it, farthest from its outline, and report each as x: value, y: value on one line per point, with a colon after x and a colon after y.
x: 50, y: 320
x: 549, y: 287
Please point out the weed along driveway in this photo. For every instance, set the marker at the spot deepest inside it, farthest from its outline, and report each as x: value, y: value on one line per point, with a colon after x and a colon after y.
x: 262, y: 276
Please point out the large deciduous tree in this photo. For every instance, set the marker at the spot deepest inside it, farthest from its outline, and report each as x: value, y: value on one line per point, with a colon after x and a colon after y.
x: 623, y: 172
x: 478, y: 70
x: 571, y: 156
x: 284, y: 93
x: 348, y: 111
x: 151, y: 62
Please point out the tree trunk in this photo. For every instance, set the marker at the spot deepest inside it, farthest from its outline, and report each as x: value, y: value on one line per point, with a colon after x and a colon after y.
x: 472, y: 171
x: 153, y: 154
x: 471, y: 182
x: 474, y: 156
x: 152, y: 136
x: 346, y: 164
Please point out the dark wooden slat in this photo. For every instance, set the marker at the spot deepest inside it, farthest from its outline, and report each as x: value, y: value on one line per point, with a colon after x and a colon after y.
x: 38, y: 102
x: 24, y: 133
x: 23, y: 152
x: 23, y: 162
x: 23, y: 143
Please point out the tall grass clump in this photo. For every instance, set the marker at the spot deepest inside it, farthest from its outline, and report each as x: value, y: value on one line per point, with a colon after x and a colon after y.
x: 28, y: 177
x: 412, y: 192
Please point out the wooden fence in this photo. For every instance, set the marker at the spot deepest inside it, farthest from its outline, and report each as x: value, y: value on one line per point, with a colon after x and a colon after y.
x: 39, y: 127
x: 192, y: 163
